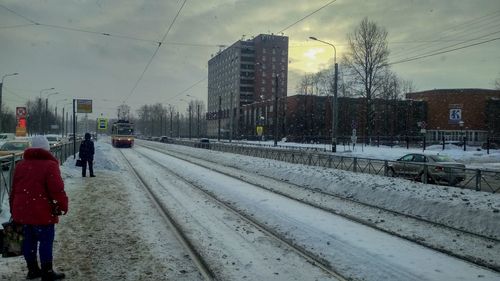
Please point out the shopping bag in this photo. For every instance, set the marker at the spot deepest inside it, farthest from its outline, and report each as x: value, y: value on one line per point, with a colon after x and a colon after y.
x: 12, y: 240
x: 79, y: 163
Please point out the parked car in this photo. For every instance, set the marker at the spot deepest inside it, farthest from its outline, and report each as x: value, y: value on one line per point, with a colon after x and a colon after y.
x: 203, y: 143
x: 440, y: 168
x: 166, y: 139
x: 6, y: 137
x: 54, y: 140
x: 10, y: 147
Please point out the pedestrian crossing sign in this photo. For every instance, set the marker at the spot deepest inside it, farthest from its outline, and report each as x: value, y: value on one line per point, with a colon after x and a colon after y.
x: 102, y: 123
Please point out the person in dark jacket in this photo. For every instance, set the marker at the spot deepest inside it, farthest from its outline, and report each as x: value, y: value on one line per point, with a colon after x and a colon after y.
x: 87, y: 155
x: 36, y: 200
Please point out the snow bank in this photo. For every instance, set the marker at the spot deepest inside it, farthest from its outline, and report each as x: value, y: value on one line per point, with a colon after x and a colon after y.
x: 476, y: 212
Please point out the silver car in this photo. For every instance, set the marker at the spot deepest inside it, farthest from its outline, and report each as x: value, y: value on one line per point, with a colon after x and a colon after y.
x: 440, y: 168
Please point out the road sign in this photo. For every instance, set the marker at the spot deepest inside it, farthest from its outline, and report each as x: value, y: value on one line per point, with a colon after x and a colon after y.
x: 20, y: 112
x: 260, y: 130
x: 102, y: 123
x: 83, y: 106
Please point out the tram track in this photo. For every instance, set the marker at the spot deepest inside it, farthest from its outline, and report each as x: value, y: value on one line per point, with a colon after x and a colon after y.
x: 485, y: 240
x: 204, y: 266
x: 197, y: 259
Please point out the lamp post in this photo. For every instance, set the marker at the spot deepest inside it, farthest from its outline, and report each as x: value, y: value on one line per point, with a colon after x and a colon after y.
x: 47, y: 111
x: 40, y: 108
x: 461, y: 124
x: 55, y: 112
x: 334, y: 105
x: 1, y: 87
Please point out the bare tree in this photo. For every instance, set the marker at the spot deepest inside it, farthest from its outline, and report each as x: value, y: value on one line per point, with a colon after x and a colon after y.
x: 366, y: 61
x: 497, y: 83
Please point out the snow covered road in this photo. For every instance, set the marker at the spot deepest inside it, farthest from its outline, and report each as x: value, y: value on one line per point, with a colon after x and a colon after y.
x: 354, y: 250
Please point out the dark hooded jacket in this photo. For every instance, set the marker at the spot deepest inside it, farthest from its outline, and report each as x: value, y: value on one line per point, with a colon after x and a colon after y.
x: 37, y: 179
x: 87, y: 148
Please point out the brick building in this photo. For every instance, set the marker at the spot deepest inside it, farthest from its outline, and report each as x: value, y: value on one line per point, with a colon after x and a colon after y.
x: 309, y: 118
x: 455, y: 113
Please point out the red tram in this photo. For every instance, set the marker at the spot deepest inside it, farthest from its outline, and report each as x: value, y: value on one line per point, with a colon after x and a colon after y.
x: 122, y: 134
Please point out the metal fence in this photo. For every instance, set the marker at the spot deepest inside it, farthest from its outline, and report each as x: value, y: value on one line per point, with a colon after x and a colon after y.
x: 475, y: 179
x: 7, y: 164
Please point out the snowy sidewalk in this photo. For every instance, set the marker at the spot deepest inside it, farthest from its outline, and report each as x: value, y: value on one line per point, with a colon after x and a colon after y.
x: 111, y: 231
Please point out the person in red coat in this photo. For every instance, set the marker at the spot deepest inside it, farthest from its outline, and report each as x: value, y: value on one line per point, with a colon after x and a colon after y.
x: 36, y: 200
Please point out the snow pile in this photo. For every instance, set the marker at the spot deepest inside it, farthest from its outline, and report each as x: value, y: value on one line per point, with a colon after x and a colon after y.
x: 476, y: 212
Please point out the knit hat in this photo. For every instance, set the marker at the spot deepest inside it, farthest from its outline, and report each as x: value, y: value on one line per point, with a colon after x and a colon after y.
x: 40, y: 142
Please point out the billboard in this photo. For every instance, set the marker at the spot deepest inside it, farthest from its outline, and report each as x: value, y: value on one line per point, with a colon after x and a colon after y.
x: 83, y: 106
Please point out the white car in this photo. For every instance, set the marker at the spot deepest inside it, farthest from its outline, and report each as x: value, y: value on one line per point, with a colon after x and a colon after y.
x: 54, y: 140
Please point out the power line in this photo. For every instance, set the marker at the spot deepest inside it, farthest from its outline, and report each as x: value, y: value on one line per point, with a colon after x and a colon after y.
x: 189, y: 88
x: 19, y: 15
x: 16, y: 26
x: 443, y: 52
x: 308, y: 15
x: 155, y: 52
x: 97, y: 33
x: 454, y: 30
x: 450, y: 46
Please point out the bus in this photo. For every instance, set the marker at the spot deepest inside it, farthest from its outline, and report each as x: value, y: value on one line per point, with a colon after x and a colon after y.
x: 122, y: 134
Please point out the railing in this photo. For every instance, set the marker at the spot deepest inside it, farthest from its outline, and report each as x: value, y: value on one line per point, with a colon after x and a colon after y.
x: 7, y: 163
x: 475, y: 179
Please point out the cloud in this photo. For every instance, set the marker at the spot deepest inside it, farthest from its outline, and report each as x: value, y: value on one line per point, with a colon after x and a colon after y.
x: 81, y: 64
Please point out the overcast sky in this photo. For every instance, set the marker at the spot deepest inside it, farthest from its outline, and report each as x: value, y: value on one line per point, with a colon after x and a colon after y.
x: 87, y: 64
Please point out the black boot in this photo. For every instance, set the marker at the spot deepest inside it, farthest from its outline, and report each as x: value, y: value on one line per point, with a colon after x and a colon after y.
x: 48, y: 274
x: 34, y: 271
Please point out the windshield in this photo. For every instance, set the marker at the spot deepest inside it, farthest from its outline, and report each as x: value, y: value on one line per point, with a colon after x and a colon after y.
x: 14, y: 146
x: 53, y: 139
x: 441, y: 158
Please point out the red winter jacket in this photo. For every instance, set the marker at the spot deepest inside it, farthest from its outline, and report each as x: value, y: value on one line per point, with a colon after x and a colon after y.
x: 35, y: 176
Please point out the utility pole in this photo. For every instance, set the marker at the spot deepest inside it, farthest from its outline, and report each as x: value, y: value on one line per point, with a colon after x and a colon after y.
x: 190, y: 121
x: 335, y: 114
x: 218, y: 117
x: 62, y: 123
x: 275, y: 109
x: 171, y: 121
x: 232, y: 116
x: 198, y: 122
x: 1, y: 89
x: 178, y: 125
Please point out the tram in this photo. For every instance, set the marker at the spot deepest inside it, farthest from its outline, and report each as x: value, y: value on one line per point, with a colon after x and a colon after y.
x: 122, y: 134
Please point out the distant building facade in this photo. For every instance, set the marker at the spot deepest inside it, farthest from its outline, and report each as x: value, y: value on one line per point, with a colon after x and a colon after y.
x: 455, y: 113
x: 308, y: 118
x: 244, y: 73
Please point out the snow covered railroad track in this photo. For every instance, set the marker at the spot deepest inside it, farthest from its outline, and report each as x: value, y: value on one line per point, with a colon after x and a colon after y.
x: 230, y: 245
x: 472, y: 247
x: 176, y: 229
x: 355, y: 250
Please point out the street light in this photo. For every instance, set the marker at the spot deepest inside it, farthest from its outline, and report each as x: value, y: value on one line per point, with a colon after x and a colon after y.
x: 334, y: 105
x: 198, y: 118
x: 55, y: 112
x: 189, y: 109
x: 47, y: 111
x: 1, y: 86
x: 40, y: 107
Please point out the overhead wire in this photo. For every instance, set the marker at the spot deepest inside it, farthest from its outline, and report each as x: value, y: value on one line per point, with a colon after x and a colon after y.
x: 155, y: 52
x: 443, y: 52
x: 308, y: 15
x: 16, y: 26
x: 454, y: 31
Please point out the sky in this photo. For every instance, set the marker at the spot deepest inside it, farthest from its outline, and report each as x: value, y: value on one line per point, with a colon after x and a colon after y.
x: 99, y: 49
